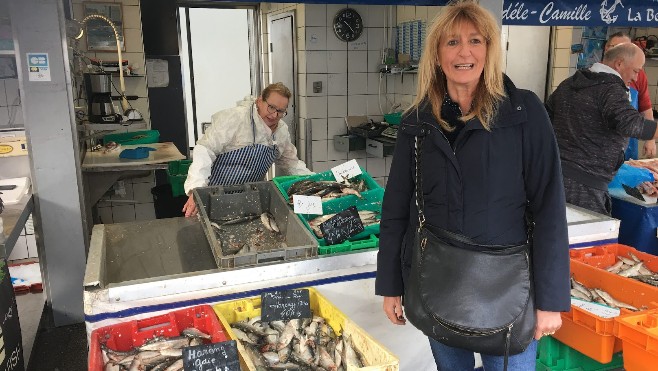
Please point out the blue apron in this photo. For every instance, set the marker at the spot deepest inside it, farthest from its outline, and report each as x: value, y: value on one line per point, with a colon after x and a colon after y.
x: 632, y: 151
x: 246, y: 164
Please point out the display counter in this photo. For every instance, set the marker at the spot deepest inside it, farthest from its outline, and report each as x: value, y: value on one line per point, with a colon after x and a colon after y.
x: 639, y: 221
x: 140, y: 269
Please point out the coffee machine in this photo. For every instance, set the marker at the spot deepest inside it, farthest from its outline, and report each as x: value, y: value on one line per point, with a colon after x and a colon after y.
x: 99, y: 98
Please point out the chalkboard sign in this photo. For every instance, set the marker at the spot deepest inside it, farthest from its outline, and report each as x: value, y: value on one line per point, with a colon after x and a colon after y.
x: 342, y: 226
x: 11, y: 348
x: 212, y: 357
x: 285, y: 305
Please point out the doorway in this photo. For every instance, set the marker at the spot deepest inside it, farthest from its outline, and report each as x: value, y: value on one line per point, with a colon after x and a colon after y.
x: 283, y: 65
x: 217, y: 71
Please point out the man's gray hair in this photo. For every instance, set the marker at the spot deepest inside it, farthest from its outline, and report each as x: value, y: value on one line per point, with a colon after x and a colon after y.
x: 623, y: 51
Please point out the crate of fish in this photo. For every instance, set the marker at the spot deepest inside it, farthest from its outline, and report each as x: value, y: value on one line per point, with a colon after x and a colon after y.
x: 156, y: 342
x: 251, y: 224
x: 597, y: 297
x: 552, y: 355
x: 329, y: 340
x: 279, y: 180
x: 325, y: 185
x: 639, y: 335
x: 622, y: 260
x: 369, y: 209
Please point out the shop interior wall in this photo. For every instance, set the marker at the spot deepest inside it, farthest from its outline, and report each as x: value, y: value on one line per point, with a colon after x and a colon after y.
x: 349, y: 74
x: 563, y: 62
x: 129, y: 199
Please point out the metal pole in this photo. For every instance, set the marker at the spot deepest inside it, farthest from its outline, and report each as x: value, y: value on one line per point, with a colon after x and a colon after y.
x: 39, y: 27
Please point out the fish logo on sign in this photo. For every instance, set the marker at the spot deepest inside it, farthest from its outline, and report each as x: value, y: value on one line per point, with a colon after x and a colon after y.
x: 607, y: 11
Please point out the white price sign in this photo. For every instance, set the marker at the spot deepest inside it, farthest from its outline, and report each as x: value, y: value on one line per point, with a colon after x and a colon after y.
x: 307, y: 204
x: 600, y: 310
x: 347, y: 170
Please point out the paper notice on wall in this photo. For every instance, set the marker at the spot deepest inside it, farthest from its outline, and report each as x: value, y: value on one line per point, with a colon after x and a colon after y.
x: 157, y: 73
x: 600, y: 310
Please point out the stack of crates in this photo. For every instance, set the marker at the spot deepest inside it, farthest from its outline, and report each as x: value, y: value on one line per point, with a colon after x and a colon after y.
x: 177, y: 174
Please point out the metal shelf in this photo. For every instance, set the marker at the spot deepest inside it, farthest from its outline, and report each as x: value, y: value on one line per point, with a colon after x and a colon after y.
x: 132, y: 125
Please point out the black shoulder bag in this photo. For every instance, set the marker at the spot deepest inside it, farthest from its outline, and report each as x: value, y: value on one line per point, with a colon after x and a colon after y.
x: 468, y: 295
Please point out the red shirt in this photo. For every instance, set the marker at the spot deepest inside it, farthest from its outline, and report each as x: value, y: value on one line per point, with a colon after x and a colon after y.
x: 642, y: 87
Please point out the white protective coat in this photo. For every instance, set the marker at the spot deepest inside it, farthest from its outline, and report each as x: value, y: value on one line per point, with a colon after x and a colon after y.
x: 231, y: 129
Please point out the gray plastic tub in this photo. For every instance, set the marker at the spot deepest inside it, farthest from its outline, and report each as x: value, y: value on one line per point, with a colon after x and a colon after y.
x: 257, y: 245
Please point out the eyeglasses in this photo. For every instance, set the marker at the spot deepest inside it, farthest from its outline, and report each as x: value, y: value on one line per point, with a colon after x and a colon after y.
x: 272, y: 109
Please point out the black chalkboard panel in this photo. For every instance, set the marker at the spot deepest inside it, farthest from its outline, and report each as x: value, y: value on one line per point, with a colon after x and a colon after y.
x: 211, y: 357
x: 11, y: 348
x: 342, y: 226
x: 285, y: 305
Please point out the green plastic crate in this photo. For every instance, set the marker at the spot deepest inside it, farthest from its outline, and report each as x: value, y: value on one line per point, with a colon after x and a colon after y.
x: 553, y: 355
x: 134, y: 137
x: 371, y: 202
x: 177, y: 173
x: 371, y: 242
x: 370, y: 183
x: 279, y: 180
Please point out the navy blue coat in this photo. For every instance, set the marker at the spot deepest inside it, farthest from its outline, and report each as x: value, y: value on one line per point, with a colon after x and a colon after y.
x: 481, y: 191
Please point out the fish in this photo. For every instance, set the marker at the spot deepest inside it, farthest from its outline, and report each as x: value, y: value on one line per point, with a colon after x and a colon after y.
x: 648, y: 279
x: 176, y: 366
x: 268, y: 221
x: 237, y: 220
x: 175, y: 342
x: 193, y: 332
x: 615, y: 268
x: 632, y: 271
x: 609, y: 300
x: 626, y: 260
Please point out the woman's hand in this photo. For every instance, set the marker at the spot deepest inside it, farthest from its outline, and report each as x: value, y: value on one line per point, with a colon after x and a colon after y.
x: 393, y: 309
x: 547, y: 323
x: 190, y: 207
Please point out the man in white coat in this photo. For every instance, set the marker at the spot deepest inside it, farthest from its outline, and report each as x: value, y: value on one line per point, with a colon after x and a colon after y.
x: 242, y: 143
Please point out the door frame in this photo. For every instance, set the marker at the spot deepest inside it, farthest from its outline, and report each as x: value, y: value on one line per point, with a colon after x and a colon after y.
x: 271, y: 18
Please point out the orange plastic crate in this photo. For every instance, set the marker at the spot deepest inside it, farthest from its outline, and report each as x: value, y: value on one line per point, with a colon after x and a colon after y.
x: 606, y: 255
x: 593, y: 335
x: 125, y: 336
x: 639, y: 335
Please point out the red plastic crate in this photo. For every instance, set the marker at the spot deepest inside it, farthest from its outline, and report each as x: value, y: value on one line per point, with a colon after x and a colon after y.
x: 606, y: 255
x: 593, y: 335
x: 639, y: 335
x: 127, y: 335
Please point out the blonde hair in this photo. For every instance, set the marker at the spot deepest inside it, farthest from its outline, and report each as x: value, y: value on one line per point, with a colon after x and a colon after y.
x: 277, y: 87
x: 432, y: 84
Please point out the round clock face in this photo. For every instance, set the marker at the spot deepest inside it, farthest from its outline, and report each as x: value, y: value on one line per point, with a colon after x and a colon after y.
x: 348, y: 25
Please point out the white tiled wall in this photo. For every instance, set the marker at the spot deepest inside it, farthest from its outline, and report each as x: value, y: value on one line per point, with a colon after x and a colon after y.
x: 137, y: 202
x: 128, y: 200
x: 11, y: 114
x: 349, y: 76
x: 26, y: 245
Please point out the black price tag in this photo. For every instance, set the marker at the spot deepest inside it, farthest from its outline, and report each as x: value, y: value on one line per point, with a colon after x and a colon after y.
x: 285, y: 305
x: 342, y: 226
x: 11, y: 350
x: 212, y: 357
x: 632, y: 191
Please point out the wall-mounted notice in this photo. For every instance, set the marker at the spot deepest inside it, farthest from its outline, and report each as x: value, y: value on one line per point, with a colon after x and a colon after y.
x: 38, y: 66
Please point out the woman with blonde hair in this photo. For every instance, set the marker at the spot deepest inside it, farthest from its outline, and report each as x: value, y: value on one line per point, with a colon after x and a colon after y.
x: 488, y: 189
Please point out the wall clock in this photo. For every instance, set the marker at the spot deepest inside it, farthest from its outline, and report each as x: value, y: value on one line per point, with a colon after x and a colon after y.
x: 348, y: 25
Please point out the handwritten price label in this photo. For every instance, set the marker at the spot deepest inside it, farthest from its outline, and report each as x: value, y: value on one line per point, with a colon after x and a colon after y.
x: 346, y: 170
x: 307, y: 204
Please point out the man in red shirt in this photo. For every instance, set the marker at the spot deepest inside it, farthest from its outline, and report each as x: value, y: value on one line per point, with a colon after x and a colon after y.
x: 642, y: 86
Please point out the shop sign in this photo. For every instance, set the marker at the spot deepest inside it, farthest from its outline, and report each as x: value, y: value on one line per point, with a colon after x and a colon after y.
x: 627, y: 13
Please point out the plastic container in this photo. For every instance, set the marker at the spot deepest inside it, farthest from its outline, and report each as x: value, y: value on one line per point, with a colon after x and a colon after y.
x: 552, y: 355
x: 177, y: 173
x: 605, y: 256
x: 372, y: 201
x: 258, y: 246
x: 368, y: 243
x: 134, y: 137
x: 593, y: 335
x: 370, y: 184
x: 278, y: 180
x: 639, y: 335
x: 165, y: 204
x: 128, y: 335
x: 393, y: 118
x: 376, y: 355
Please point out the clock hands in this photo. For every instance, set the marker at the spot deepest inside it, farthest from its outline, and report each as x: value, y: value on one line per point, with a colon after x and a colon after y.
x: 348, y: 25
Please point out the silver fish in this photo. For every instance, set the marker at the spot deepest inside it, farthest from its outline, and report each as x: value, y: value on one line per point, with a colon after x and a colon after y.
x: 175, y: 342
x: 615, y: 267
x: 632, y: 271
x: 176, y: 366
x: 193, y: 332
x: 268, y: 221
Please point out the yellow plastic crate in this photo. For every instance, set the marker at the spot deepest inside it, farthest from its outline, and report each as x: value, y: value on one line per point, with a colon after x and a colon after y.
x: 376, y: 355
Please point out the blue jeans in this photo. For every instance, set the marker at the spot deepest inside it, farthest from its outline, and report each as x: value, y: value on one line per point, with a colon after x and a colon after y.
x: 457, y: 359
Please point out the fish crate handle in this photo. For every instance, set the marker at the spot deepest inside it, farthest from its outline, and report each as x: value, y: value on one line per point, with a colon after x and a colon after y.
x: 236, y: 188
